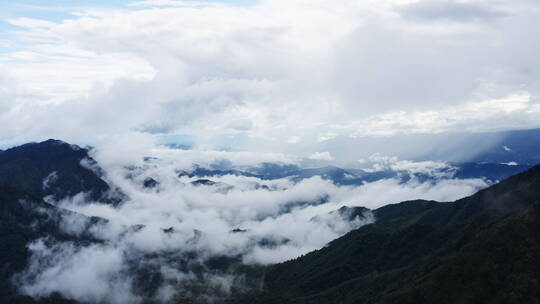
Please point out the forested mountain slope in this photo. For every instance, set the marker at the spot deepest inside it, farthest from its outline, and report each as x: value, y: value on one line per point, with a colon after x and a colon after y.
x: 480, y: 249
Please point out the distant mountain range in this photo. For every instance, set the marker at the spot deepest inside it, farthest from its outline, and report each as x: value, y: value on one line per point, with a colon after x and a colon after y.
x: 339, y: 176
x: 480, y: 249
x: 520, y: 146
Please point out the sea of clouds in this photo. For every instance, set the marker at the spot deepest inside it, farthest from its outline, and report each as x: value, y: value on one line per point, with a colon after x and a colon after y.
x: 170, y: 230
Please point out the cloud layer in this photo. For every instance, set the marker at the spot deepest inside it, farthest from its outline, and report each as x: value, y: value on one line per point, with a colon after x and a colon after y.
x: 174, y: 225
x: 273, y: 75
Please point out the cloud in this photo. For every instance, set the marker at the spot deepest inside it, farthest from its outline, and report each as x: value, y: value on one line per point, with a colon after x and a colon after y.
x: 321, y: 156
x: 261, y: 221
x: 452, y: 10
x: 31, y: 23
x: 89, y: 274
x: 50, y: 180
x: 241, y: 125
x: 517, y: 108
x: 511, y: 164
x: 433, y: 169
x: 294, y: 140
x: 270, y: 69
x: 155, y: 3
x: 327, y: 136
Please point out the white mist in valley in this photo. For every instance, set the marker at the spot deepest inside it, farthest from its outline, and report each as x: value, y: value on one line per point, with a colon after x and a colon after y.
x: 173, y: 223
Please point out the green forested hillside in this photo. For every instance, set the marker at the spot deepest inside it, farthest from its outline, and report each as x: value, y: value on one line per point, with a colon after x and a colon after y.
x: 53, y: 168
x: 481, y: 249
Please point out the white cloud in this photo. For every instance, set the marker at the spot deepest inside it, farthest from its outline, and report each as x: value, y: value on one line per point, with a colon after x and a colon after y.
x: 511, y: 163
x: 153, y: 3
x: 31, y: 23
x: 293, y: 140
x: 429, y: 168
x: 327, y: 136
x: 349, y: 68
x: 321, y: 156
x: 514, y: 111
x: 88, y: 274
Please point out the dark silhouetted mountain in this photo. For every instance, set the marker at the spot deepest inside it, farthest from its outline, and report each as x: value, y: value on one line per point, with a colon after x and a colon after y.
x: 29, y: 173
x: 238, y: 230
x: 480, y: 249
x: 150, y: 183
x: 203, y: 182
x: 53, y: 168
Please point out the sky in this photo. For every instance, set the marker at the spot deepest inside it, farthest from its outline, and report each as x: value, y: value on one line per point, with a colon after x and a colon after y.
x: 310, y: 78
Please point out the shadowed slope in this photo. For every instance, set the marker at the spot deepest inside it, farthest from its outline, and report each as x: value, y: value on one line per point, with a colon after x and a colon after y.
x: 53, y: 168
x: 480, y: 249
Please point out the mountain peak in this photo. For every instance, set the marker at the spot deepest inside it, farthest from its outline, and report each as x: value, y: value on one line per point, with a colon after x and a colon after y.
x: 53, y: 141
x: 51, y: 167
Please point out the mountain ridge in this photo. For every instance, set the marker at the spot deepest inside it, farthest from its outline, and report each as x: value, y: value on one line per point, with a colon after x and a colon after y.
x: 407, y: 253
x: 54, y: 168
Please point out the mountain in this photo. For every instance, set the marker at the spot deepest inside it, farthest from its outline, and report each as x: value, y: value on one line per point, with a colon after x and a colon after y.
x: 480, y: 249
x: 54, y: 168
x: 353, y: 177
x: 28, y: 174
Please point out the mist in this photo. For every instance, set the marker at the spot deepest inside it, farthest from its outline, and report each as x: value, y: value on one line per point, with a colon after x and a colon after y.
x: 174, y: 225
